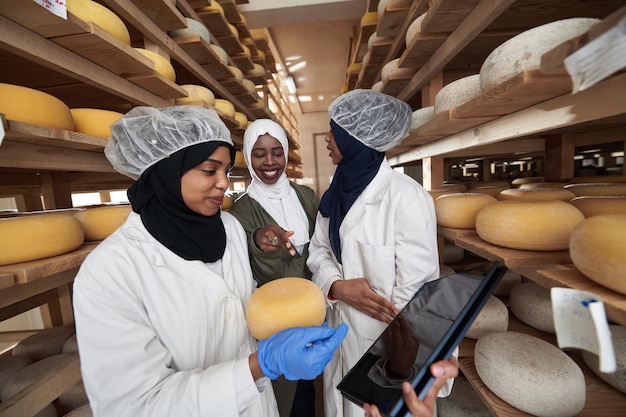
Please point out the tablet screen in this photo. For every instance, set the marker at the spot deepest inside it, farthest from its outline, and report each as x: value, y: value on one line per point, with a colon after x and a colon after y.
x: 428, y: 329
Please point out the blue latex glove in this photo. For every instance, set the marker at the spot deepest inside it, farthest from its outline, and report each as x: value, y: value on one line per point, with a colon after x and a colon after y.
x: 299, y: 352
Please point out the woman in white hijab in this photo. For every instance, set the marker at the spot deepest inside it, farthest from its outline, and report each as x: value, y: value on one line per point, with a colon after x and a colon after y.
x: 278, y: 216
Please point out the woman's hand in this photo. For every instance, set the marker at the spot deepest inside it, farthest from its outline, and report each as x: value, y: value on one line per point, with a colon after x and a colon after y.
x: 359, y: 294
x: 442, y: 370
x: 273, y: 238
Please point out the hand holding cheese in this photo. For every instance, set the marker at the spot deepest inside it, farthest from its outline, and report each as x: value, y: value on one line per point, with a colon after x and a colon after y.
x: 299, y: 352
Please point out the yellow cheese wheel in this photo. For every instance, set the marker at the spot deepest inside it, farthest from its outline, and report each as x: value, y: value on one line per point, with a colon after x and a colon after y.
x: 246, y: 51
x: 242, y: 119
x: 239, y: 159
x: 236, y: 72
x: 258, y: 105
x: 28, y: 238
x: 459, y: 210
x: 536, y: 194
x: 195, y: 94
x: 525, y: 180
x: 597, y: 188
x: 94, y: 122
x: 552, y: 184
x: 162, y: 65
x: 100, y: 222
x: 492, y: 190
x: 227, y: 202
x: 233, y: 30
x: 599, y: 178
x: 597, y: 247
x: 225, y: 107
x: 354, y: 68
x: 90, y: 11
x: 369, y: 18
x: 220, y: 53
x: 539, y: 225
x: 594, y: 205
x: 28, y: 105
x: 439, y: 192
x: 284, y: 303
x: 248, y: 85
x: 258, y: 70
x: 214, y: 6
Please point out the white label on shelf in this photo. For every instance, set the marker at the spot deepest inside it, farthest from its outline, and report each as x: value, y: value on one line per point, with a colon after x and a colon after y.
x: 580, y: 322
x: 58, y: 7
x: 599, y: 59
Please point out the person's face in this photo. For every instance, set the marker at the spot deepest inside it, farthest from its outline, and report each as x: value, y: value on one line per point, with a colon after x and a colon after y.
x: 335, y: 153
x: 204, y: 185
x: 268, y: 159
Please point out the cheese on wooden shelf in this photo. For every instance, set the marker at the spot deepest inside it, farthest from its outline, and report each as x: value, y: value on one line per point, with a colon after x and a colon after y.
x: 91, y: 11
x: 456, y: 93
x: 100, y: 222
x: 536, y: 194
x: 594, y: 205
x: 94, y: 122
x: 225, y: 107
x: 459, y: 210
x: 32, y: 106
x: 162, y: 64
x: 194, y: 28
x: 220, y: 53
x: 597, y: 188
x: 195, y: 94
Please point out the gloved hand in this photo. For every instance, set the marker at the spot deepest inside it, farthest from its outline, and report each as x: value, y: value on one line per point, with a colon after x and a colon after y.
x: 299, y: 352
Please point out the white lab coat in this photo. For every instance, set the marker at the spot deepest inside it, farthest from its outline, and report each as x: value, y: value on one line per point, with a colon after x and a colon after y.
x: 162, y: 336
x: 389, y: 236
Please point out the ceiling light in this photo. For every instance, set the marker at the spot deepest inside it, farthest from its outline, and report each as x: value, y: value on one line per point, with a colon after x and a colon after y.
x: 291, y: 84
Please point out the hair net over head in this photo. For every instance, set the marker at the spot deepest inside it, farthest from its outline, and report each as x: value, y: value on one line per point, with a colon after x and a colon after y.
x: 378, y: 120
x: 145, y: 135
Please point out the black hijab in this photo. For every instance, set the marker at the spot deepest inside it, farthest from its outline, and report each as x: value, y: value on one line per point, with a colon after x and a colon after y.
x: 158, y: 199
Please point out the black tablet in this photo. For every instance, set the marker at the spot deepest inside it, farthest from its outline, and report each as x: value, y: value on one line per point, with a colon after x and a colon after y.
x: 427, y: 330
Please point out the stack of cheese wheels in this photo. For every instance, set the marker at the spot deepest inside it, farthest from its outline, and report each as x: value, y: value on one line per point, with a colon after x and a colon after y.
x: 100, y: 222
x: 539, y: 225
x: 536, y: 194
x: 162, y: 65
x: 95, y: 122
x: 44, y: 343
x: 27, y: 238
x: 597, y: 247
x: 550, y: 184
x: 616, y: 379
x: 284, y: 303
x: 454, y: 94
x: 225, y: 107
x: 392, y: 70
x: 459, y: 210
x: 194, y: 28
x: 420, y: 116
x: 220, y: 53
x: 517, y: 182
x: 414, y: 28
x: 523, y: 52
x: 197, y: 94
x: 91, y: 11
x: 591, y: 206
x: 597, y: 188
x: 27, y: 105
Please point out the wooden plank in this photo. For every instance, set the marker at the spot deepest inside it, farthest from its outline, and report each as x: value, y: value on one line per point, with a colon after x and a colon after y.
x: 391, y: 21
x: 163, y: 13
x: 447, y: 123
x: 41, y: 135
x: 201, y: 52
x: 215, y: 22
x: 39, y: 20
x: 158, y: 84
x: 446, y: 15
x: 395, y: 85
x: 6, y: 280
x: 243, y: 62
x: 230, y: 44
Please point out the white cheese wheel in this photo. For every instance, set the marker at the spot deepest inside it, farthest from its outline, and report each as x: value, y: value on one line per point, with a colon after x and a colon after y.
x: 32, y: 373
x: 540, y: 225
x: 72, y: 398
x: 599, y: 178
x: 507, y: 282
x: 452, y: 253
x: 597, y: 247
x: 463, y: 401
x: 531, y: 304
x: 392, y: 70
x: 195, y: 94
x: 378, y: 86
x: 225, y: 107
x: 517, y: 182
x: 523, y: 52
x: 220, y: 53
x: 492, y: 190
x: 439, y: 192
x: 258, y: 70
x: 530, y: 374
x: 94, y: 122
x: 11, y: 364
x: 459, y: 210
x: 83, y: 411
x: 242, y: 119
x: 99, y: 222
x: 616, y: 379
x: 194, y: 28
x: 284, y: 303
x: 237, y: 73
x: 457, y: 92
x: 45, y: 342
x: 248, y: 85
x: 494, y: 317
x: 594, y: 205
x: 536, y: 194
x: 414, y: 28
x: 28, y: 105
x: 597, y: 188
x: 38, y: 236
x: 91, y: 11
x: 162, y: 65
x: 551, y: 184
x: 420, y: 116
x: 375, y: 38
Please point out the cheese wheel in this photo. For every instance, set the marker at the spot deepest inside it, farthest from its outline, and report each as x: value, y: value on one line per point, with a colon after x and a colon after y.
x: 225, y: 107
x: 227, y: 202
x: 258, y: 70
x: 72, y: 398
x: 459, y: 188
x: 532, y: 304
x: 369, y: 18
x: 82, y: 411
x: 392, y: 70
x: 194, y: 28
x: 539, y: 225
x: 242, y: 119
x: 414, y: 28
x: 421, y: 116
x: 354, y: 68
x: 248, y: 85
x: 525, y: 180
x: 100, y: 222
x: 32, y: 373
x: 439, y: 192
x: 28, y: 105
x: 38, y: 236
x: 239, y: 159
x: 237, y: 73
x: 196, y: 93
x: 284, y: 303
x: 214, y: 6
x: 162, y: 65
x: 494, y: 317
x: 90, y: 11
x: 233, y: 30
x: 536, y: 194
x: 591, y: 205
x: 555, y: 184
x: 457, y: 92
x: 459, y: 210
x: 246, y: 51
x: 599, y: 178
x: 597, y: 188
x: 44, y: 343
x: 258, y: 105
x: 220, y: 53
x: 94, y: 122
x: 597, y: 247
x: 375, y: 38
x: 11, y: 364
x: 452, y: 253
x: 378, y: 86
x: 394, y: 4
x: 616, y: 379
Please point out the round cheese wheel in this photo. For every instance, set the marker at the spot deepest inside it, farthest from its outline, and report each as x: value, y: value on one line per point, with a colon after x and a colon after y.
x: 507, y: 282
x: 225, y: 107
x: 439, y: 192
x: 517, y: 182
x: 246, y: 51
x: 91, y: 11
x: 237, y: 73
x: 194, y: 28
x: 82, y: 411
x: 597, y: 188
x: 72, y: 398
x: 463, y: 401
x: 94, y: 122
x: 540, y: 225
x: 248, y: 85
x: 492, y: 190
x: 392, y: 70
x: 599, y: 178
x: 227, y: 202
x: 45, y: 342
x: 378, y: 86
x: 220, y: 53
x: 557, y: 185
x: 531, y: 304
x: 456, y: 187
x: 214, y: 6
x: 452, y: 253
x: 284, y: 303
x: 242, y: 119
x: 536, y: 194
x: 494, y: 317
x: 99, y: 222
x: 457, y: 92
x: 597, y: 247
x: 414, y: 28
x: 375, y: 38
x: 32, y: 373
x: 162, y: 65
x: 354, y: 68
x: 239, y: 159
x: 258, y: 105
x: 257, y: 71
x: 38, y: 236
x: 233, y: 30
x: 459, y: 210
x: 591, y: 206
x: 523, y: 52
x: 369, y: 18
x: 11, y: 364
x: 27, y: 105
x: 420, y: 116
x: 195, y: 94
x: 616, y: 379
x: 530, y: 374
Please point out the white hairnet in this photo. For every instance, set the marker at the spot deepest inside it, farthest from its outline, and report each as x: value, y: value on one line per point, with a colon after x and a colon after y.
x: 145, y: 135
x: 378, y: 120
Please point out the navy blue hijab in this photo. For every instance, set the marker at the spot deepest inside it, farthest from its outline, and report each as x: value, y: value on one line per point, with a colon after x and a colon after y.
x: 358, y: 166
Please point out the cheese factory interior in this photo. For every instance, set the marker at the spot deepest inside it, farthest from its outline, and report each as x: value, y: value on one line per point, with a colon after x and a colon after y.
x: 518, y: 120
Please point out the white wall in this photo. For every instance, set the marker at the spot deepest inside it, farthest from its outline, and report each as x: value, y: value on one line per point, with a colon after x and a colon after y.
x: 317, y: 167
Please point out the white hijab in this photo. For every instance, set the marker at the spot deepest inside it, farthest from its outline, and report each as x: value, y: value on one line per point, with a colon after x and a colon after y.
x: 278, y: 199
